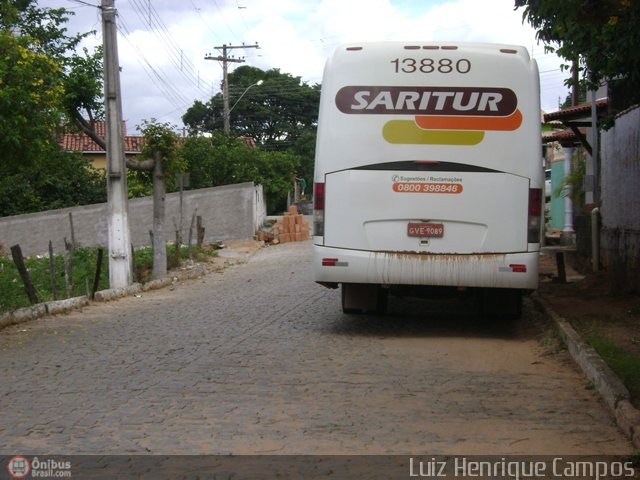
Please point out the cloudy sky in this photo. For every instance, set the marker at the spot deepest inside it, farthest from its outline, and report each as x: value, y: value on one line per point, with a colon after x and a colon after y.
x: 163, y: 43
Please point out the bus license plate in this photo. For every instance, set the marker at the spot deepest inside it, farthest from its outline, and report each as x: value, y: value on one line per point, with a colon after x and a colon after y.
x: 425, y: 230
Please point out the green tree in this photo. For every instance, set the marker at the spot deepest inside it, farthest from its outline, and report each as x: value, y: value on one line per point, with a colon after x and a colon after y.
x: 66, y: 180
x: 305, y: 148
x: 275, y: 171
x: 603, y: 35
x: 30, y: 92
x: 221, y: 160
x: 162, y: 163
x: 276, y: 113
x: 214, y: 161
x: 199, y: 118
x: 39, y: 81
x: 83, y: 87
x: 42, y: 76
x: 280, y: 114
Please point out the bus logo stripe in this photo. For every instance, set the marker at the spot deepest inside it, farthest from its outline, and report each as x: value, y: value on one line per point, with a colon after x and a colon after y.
x: 407, y: 132
x: 441, y: 115
x: 435, y: 122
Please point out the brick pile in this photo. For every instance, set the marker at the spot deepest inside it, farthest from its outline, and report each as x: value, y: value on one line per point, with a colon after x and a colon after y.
x: 292, y: 227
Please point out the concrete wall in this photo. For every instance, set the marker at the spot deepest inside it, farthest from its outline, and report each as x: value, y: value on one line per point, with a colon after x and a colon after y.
x: 228, y: 212
x: 620, y: 182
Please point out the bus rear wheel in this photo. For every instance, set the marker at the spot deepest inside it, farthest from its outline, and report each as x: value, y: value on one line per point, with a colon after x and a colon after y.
x: 364, y: 298
x: 501, y: 304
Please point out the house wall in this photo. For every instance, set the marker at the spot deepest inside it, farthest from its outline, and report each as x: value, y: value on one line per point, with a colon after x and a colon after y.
x: 556, y: 222
x: 228, y: 212
x: 99, y: 160
x: 620, y: 212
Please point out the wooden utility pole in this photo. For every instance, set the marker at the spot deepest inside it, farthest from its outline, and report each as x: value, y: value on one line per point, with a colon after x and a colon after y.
x: 118, y: 205
x: 225, y: 59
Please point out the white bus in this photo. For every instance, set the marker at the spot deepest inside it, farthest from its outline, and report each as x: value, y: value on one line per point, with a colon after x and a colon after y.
x: 428, y: 174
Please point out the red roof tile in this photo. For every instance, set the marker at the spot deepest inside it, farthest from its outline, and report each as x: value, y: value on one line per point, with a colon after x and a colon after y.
x: 559, y: 136
x: 249, y: 142
x: 579, y: 111
x: 80, y: 142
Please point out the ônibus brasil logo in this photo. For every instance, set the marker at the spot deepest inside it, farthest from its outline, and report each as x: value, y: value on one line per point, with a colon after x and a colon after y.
x: 442, y: 115
x: 18, y: 467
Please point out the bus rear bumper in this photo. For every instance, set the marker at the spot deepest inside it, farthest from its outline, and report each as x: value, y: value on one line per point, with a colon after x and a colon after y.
x: 513, y: 270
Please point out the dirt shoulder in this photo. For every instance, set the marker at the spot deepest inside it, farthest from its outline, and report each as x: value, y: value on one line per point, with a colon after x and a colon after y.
x: 609, y: 323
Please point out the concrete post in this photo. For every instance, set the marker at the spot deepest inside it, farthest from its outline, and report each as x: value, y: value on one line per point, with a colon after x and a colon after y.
x: 118, y: 205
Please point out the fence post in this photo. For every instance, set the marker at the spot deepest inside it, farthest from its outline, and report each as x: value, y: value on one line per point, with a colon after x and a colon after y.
x: 200, y: 230
x: 193, y: 219
x: 68, y: 267
x: 96, y: 280
x: 52, y: 272
x: 73, y: 232
x: 18, y: 259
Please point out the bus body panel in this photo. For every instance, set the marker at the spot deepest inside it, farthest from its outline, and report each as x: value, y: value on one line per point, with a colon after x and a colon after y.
x: 406, y: 268
x: 364, y: 211
x: 433, y: 136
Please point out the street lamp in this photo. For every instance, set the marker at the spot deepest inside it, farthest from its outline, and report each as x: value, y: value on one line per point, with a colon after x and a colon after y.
x: 227, y: 126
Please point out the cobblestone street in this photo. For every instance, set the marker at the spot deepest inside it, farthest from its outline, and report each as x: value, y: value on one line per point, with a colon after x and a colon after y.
x: 259, y: 359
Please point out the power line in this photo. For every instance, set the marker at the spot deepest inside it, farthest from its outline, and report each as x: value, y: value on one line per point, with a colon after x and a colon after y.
x: 197, y: 10
x: 246, y: 29
x: 175, y: 54
x: 168, y: 89
x: 87, y: 4
x: 224, y: 19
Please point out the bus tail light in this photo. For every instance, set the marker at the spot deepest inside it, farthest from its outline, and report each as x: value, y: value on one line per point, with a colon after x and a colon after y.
x: 518, y: 268
x: 318, y: 209
x: 534, y: 224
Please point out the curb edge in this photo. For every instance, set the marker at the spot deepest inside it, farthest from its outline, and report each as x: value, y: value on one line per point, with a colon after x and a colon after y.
x: 606, y: 382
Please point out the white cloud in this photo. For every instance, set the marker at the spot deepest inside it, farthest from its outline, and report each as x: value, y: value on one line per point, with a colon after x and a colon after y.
x: 357, y: 20
x: 164, y: 69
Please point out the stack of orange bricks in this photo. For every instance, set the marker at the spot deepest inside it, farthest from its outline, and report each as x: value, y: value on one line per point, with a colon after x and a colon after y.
x: 292, y: 227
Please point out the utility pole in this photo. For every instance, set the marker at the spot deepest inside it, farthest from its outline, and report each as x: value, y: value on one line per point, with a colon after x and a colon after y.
x: 118, y: 205
x: 225, y: 59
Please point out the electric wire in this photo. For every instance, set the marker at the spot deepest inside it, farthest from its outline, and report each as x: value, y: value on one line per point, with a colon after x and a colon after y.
x: 86, y: 4
x: 551, y: 77
x: 175, y: 54
x: 225, y: 20
x: 171, y: 93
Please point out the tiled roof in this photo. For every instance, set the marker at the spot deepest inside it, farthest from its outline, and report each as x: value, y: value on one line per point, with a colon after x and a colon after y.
x: 249, y: 142
x: 579, y: 111
x: 100, y: 127
x: 624, y: 112
x: 80, y: 142
x: 559, y: 136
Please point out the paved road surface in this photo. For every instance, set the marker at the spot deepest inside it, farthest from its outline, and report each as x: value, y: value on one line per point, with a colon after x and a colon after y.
x: 259, y: 359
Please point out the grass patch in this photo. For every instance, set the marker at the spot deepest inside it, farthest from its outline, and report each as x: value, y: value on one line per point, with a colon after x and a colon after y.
x: 143, y: 259
x: 609, y: 336
x: 84, y: 260
x: 624, y: 363
x: 13, y: 296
